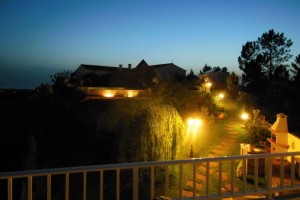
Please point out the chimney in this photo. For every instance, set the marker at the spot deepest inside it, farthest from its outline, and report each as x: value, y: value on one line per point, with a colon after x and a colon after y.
x: 280, y: 124
x: 120, y: 66
x: 129, y: 66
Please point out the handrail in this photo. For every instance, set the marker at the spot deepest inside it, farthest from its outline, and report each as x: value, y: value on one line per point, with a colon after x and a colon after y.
x: 67, y: 172
x: 144, y: 164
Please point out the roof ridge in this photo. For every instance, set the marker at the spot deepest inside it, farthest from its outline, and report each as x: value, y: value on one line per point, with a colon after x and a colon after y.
x: 163, y: 64
x: 97, y: 65
x: 100, y: 67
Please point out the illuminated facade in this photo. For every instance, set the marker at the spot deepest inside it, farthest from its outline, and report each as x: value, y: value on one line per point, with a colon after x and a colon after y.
x: 114, y: 92
x: 119, y: 82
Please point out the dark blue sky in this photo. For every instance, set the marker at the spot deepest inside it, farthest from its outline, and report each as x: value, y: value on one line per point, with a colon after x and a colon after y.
x: 41, y: 37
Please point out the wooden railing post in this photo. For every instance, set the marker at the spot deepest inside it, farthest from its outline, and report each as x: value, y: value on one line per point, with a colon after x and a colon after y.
x: 9, y: 188
x: 269, y: 166
x: 135, y: 183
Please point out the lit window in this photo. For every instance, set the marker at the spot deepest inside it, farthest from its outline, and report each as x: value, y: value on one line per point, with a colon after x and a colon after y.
x: 130, y: 94
x: 108, y: 94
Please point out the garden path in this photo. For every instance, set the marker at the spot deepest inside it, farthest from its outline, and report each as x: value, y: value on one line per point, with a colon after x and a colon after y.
x: 229, y: 125
x: 220, y: 149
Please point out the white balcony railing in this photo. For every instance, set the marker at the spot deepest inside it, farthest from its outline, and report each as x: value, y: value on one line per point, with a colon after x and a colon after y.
x: 148, y: 179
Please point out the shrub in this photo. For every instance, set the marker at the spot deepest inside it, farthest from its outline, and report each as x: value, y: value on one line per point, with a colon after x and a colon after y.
x: 142, y: 131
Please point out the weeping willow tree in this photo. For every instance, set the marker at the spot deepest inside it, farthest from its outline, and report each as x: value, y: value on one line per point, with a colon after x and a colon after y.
x: 141, y: 130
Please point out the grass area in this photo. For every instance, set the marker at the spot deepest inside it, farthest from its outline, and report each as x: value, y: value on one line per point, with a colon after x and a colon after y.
x: 203, y: 144
x: 208, y: 138
x: 211, y: 136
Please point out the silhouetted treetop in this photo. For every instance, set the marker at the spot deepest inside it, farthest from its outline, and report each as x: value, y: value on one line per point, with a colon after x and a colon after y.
x: 296, y: 71
x: 265, y: 58
x: 274, y: 47
x: 60, y: 81
x: 205, y: 69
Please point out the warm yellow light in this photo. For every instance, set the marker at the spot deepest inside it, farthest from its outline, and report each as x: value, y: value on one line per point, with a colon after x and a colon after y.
x: 193, y: 125
x: 245, y: 116
x: 208, y: 84
x: 221, y: 95
x: 108, y: 94
x: 194, y: 122
x: 130, y: 94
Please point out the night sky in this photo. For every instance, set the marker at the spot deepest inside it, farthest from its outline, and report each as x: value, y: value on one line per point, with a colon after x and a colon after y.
x: 41, y: 37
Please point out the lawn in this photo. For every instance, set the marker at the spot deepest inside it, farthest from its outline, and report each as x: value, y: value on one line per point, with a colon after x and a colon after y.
x: 208, y: 138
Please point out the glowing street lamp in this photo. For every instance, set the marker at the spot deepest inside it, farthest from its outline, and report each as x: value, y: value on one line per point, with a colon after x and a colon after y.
x: 245, y: 116
x: 221, y: 96
x: 208, y: 84
x: 193, y: 125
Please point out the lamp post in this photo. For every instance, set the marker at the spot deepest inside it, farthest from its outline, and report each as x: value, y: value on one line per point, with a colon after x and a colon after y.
x: 245, y: 117
x: 193, y: 125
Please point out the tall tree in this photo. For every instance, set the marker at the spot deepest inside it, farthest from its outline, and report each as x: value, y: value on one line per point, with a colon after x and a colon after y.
x: 281, y: 73
x: 250, y: 63
x: 296, y: 71
x: 275, y: 48
x: 265, y: 57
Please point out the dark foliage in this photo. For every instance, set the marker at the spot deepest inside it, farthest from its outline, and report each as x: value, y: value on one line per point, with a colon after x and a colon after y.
x: 266, y: 76
x: 194, y: 79
x: 255, y: 129
x: 296, y: 71
x: 232, y: 84
x: 205, y: 69
x: 264, y: 59
x: 61, y: 81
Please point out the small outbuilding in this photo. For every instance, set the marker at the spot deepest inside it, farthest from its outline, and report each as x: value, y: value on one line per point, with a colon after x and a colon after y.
x: 279, y: 134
